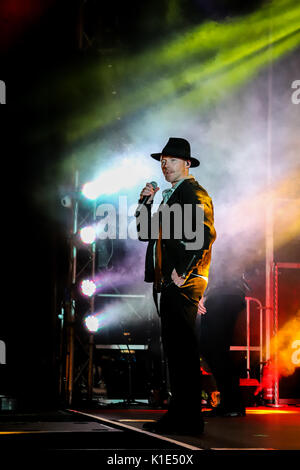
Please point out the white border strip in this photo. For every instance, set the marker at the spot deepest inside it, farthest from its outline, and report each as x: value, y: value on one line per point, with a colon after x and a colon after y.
x: 133, y: 428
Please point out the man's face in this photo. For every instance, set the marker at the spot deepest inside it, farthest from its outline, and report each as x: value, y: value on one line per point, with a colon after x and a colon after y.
x: 174, y: 169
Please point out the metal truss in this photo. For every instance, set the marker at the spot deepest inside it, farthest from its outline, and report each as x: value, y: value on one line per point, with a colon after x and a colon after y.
x: 76, y: 351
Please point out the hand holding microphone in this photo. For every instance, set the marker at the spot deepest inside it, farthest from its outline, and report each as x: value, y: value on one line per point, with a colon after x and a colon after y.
x: 148, y: 192
x: 147, y: 195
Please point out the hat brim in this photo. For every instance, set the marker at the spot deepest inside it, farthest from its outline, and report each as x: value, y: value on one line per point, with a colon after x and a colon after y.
x: 194, y: 161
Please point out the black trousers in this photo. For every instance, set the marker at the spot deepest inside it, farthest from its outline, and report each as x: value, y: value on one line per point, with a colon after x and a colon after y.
x: 215, y: 332
x: 178, y: 312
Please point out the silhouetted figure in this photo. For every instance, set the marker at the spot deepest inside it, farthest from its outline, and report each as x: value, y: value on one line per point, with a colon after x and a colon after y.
x: 219, y: 310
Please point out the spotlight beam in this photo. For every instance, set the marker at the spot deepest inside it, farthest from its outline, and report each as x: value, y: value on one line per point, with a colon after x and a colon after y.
x: 174, y: 67
x: 229, y: 52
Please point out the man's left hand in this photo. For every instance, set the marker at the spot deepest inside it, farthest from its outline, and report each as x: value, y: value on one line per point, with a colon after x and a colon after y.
x: 201, y: 307
x: 178, y: 280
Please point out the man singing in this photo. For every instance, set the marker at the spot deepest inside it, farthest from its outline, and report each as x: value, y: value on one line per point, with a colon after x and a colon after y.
x: 178, y: 266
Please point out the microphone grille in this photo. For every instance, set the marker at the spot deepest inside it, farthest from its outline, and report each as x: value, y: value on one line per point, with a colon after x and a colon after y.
x: 154, y: 184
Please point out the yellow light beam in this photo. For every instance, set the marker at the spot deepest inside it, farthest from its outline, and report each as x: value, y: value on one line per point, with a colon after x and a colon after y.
x: 203, y: 82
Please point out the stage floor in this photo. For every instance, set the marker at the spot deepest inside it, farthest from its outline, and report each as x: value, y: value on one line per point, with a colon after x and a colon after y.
x: 262, y: 428
x: 115, y: 432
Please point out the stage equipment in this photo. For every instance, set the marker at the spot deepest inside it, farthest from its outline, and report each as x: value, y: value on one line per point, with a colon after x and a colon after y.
x: 88, y: 287
x: 76, y: 351
x: 287, y: 333
x: 254, y: 348
x: 92, y: 323
x: 66, y: 201
x: 125, y: 370
x: 262, y: 340
x: 88, y: 234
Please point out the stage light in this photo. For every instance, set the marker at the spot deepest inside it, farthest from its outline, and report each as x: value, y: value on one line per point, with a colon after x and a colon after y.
x: 125, y: 175
x: 66, y: 201
x: 97, y: 320
x: 92, y: 323
x: 90, y: 190
x: 88, y: 234
x: 88, y: 287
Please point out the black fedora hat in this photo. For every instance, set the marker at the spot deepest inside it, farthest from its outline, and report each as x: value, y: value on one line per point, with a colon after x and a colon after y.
x: 179, y: 148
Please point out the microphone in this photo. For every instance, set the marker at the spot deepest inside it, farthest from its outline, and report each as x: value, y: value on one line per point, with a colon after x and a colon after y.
x: 145, y: 199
